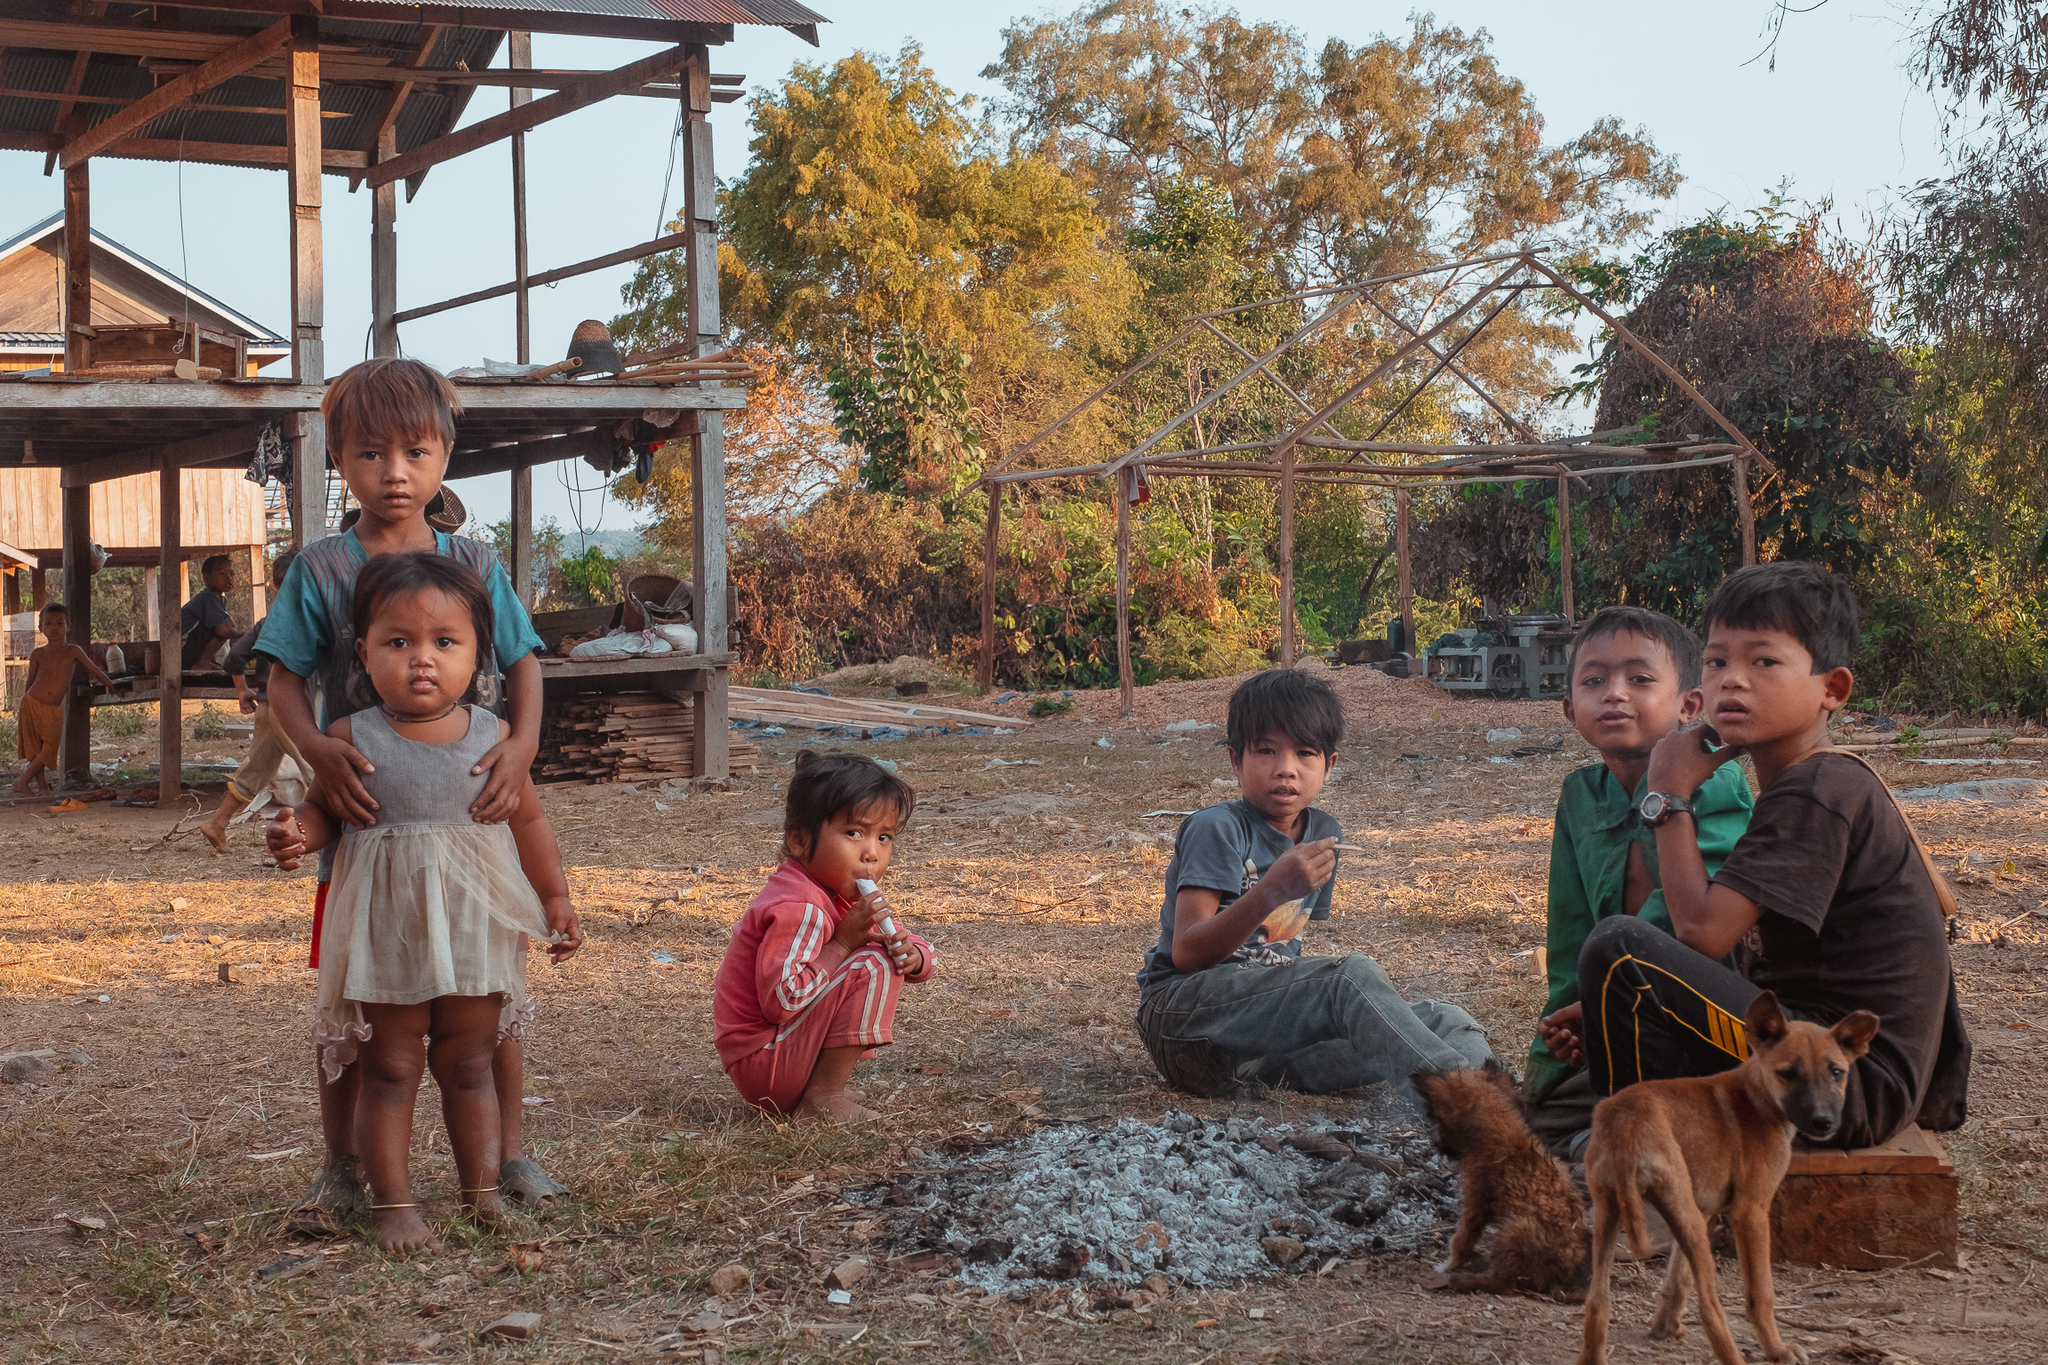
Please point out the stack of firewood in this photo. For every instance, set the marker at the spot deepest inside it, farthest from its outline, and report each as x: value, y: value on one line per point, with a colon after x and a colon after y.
x: 623, y: 737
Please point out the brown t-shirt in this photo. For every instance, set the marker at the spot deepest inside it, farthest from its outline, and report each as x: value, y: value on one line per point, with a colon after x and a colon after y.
x: 1850, y: 921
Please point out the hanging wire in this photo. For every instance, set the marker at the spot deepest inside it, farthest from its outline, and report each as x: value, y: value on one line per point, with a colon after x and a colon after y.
x: 675, y: 139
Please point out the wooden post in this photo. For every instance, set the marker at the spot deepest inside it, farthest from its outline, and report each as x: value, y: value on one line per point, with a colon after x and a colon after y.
x: 170, y: 751
x: 711, y: 746
x: 1287, y: 643
x: 521, y: 567
x: 77, y: 267
x: 1564, y: 546
x: 259, y: 585
x: 1124, y: 681
x: 152, y: 607
x: 384, y: 254
x: 519, y: 56
x: 986, y: 673
x: 184, y: 588
x: 38, y: 589
x: 76, y: 753
x: 309, y: 360
x: 1745, y: 511
x: 1405, y: 578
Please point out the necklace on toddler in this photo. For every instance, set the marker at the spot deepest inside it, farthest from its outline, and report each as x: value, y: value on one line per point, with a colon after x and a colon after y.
x: 397, y: 719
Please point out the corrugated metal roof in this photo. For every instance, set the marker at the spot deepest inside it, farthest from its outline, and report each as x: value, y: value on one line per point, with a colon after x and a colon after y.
x: 775, y: 12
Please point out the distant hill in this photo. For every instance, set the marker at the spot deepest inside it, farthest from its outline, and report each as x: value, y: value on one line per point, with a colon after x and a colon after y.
x: 616, y: 543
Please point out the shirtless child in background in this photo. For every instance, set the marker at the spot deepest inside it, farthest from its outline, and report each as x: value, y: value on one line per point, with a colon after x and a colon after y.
x: 39, y: 724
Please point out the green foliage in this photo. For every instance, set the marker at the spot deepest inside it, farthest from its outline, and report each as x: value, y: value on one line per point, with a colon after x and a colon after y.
x: 591, y: 578
x: 120, y: 722
x: 210, y: 723
x: 906, y: 411
x: 1042, y: 707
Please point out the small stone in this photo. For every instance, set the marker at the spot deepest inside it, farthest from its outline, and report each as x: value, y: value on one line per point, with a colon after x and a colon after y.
x: 847, y: 1273
x: 1507, y: 736
x: 729, y: 1280
x: 1283, y: 1250
x: 25, y: 1070
x: 179, y: 905
x: 515, y: 1326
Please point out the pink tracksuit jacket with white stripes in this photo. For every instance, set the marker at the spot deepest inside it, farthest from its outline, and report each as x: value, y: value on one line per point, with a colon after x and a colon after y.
x: 781, y: 962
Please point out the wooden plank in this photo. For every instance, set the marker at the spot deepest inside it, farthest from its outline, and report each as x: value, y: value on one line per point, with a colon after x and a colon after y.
x: 1564, y: 547
x: 1913, y: 1152
x: 77, y: 268
x: 985, y: 673
x: 307, y: 497
x: 1865, y: 1222
x: 1126, y: 684
x: 545, y: 277
x: 168, y: 96
x: 68, y: 101
x: 384, y: 255
x: 521, y: 567
x: 75, y: 757
x: 170, y: 597
x: 335, y: 160
x: 576, y: 670
x: 1405, y: 576
x: 196, y: 450
x: 487, y: 131
x: 1287, y: 480
x: 303, y: 195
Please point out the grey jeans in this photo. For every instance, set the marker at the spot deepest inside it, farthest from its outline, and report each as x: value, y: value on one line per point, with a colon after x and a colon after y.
x: 1316, y: 1024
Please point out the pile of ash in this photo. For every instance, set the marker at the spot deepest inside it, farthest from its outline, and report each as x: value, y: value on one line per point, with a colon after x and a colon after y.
x: 1203, y: 1203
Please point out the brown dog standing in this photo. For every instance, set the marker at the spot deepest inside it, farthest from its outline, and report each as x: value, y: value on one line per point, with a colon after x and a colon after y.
x: 1508, y: 1181
x: 1696, y: 1146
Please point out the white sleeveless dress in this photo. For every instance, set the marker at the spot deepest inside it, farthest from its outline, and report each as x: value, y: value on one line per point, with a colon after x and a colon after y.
x: 426, y: 902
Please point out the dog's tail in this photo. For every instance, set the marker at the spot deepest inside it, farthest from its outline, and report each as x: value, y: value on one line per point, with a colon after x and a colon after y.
x: 1628, y: 1202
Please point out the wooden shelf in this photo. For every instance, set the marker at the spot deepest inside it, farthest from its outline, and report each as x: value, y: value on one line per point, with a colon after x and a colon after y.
x: 552, y: 669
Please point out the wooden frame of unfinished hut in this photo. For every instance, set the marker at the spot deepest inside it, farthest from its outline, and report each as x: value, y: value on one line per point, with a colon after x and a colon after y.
x: 371, y: 91
x: 1363, y: 463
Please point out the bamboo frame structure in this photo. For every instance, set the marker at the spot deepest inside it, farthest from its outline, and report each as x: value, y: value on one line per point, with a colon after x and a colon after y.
x: 1434, y: 340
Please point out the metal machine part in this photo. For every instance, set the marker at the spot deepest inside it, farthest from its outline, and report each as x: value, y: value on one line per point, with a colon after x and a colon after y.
x: 1505, y: 656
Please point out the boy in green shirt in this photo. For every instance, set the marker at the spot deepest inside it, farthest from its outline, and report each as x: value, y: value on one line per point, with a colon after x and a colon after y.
x: 1635, y: 677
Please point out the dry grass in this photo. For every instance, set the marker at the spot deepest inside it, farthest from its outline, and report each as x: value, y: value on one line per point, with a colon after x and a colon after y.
x: 1040, y: 885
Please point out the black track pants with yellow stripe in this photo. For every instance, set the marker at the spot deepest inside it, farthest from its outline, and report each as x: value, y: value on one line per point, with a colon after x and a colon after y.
x: 1656, y: 1008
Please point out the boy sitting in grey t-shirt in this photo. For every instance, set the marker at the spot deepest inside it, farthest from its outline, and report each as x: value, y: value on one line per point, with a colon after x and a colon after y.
x: 1226, y: 997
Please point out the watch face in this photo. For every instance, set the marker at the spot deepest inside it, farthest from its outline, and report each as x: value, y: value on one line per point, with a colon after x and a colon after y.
x: 1653, y: 807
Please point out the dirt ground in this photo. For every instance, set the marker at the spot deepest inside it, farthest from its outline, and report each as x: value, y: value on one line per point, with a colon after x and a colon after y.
x: 181, y: 1114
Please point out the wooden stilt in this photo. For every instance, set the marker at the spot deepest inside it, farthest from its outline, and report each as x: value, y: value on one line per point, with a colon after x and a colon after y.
x: 170, y: 647
x: 1564, y: 547
x: 38, y: 589
x: 76, y: 753
x: 1126, y: 684
x: 152, y: 604
x: 519, y: 55
x: 711, y: 743
x: 78, y: 267
x: 1745, y: 511
x: 1287, y: 640
x: 384, y: 255
x: 309, y: 361
x: 259, y: 584
x: 986, y: 673
x: 521, y: 568
x: 1406, y: 580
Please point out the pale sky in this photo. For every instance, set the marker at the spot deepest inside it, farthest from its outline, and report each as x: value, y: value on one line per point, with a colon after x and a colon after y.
x: 1837, y: 117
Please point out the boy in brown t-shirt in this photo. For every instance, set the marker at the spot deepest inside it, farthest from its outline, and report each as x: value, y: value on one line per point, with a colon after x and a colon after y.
x: 1829, y: 874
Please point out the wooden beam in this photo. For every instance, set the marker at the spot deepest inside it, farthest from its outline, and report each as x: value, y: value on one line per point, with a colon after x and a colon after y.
x: 1745, y: 512
x: 67, y: 102
x: 472, y: 464
x: 170, y: 576
x: 1126, y: 684
x: 334, y: 160
x: 1564, y: 547
x: 520, y: 55
x: 394, y: 99
x: 75, y: 758
x: 249, y: 52
x: 523, y: 119
x: 631, y: 253
x: 308, y: 494
x: 302, y: 186
x: 589, y: 23
x: 985, y: 673
x: 196, y: 450
x: 77, y: 268
x: 112, y: 398
x: 1405, y: 583
x: 1287, y: 472
x: 259, y: 584
x: 711, y: 742
x: 521, y: 567
x: 384, y: 256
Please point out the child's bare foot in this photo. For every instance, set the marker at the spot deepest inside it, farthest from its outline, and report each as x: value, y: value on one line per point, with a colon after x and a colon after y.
x: 216, y: 832
x: 483, y: 1207
x: 20, y: 787
x: 401, y: 1231
x: 834, y: 1106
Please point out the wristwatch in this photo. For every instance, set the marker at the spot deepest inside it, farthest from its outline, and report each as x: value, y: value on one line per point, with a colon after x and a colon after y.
x: 1658, y: 807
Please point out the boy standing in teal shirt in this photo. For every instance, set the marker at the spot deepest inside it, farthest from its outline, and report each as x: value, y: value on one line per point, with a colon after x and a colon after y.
x: 1635, y: 677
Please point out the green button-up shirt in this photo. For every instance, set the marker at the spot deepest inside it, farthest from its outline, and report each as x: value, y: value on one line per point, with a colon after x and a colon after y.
x: 1596, y: 823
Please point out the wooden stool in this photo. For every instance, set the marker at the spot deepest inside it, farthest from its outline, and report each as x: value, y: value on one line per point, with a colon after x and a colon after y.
x: 1874, y: 1208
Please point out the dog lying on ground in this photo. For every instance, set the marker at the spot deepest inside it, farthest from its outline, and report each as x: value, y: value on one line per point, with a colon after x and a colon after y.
x: 1506, y: 1181
x: 1701, y: 1145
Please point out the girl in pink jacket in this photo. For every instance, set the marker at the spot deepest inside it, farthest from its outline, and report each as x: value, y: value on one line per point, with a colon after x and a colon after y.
x: 809, y: 982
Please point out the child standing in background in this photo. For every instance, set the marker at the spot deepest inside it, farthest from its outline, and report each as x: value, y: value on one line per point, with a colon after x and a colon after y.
x: 39, y: 724
x: 269, y: 745
x: 424, y: 936
x: 809, y: 982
